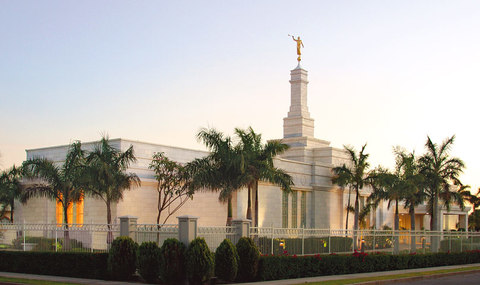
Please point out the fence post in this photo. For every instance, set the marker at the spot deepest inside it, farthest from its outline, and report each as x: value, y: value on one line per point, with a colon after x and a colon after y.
x: 56, y: 239
x: 303, y: 241
x: 24, y: 235
x: 242, y: 227
x: 329, y: 240
x: 128, y: 226
x: 187, y: 229
x: 272, y: 239
x: 373, y: 244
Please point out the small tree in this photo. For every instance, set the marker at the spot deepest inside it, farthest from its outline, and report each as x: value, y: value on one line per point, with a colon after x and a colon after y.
x: 172, y: 187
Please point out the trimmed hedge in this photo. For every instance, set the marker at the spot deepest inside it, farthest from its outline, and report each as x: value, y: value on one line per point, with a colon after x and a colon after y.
x: 226, y: 261
x: 148, y: 261
x: 248, y: 259
x: 285, y: 267
x: 172, y: 261
x: 122, y: 258
x: 70, y: 264
x: 199, y: 262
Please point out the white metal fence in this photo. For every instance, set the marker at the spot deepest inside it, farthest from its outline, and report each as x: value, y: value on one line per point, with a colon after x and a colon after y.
x: 155, y: 233
x: 215, y: 235
x: 57, y: 237
x: 270, y: 240
x: 326, y: 241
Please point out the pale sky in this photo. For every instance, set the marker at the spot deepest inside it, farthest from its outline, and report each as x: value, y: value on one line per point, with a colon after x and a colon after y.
x: 383, y: 72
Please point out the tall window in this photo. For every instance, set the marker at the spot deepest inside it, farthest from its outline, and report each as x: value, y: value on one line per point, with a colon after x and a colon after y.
x: 303, y: 210
x: 70, y: 217
x: 294, y: 209
x: 284, y: 209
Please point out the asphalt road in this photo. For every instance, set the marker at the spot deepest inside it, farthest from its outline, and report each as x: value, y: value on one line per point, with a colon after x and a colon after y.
x: 460, y: 279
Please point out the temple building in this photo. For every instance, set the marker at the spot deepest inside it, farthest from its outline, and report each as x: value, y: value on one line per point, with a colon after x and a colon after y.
x: 314, y: 203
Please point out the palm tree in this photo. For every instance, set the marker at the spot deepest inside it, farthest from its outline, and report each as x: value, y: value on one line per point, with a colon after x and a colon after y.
x: 10, y: 189
x: 258, y: 164
x: 106, y: 177
x: 440, y: 171
x: 413, y: 184
x: 221, y: 170
x: 61, y: 183
x: 387, y: 186
x: 354, y: 176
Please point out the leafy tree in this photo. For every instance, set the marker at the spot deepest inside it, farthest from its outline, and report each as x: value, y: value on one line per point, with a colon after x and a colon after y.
x: 258, y: 164
x: 61, y: 183
x: 106, y: 177
x: 354, y: 176
x: 220, y: 170
x: 10, y: 189
x: 172, y: 187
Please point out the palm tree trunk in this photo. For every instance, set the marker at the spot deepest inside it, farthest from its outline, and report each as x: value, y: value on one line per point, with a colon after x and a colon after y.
x: 436, y: 224
x: 109, y: 222
x: 66, y: 234
x: 256, y: 203
x: 12, y: 206
x: 355, y: 223
x: 249, y: 203
x: 348, y: 207
x: 396, y: 245
x: 229, y: 211
x: 413, y: 247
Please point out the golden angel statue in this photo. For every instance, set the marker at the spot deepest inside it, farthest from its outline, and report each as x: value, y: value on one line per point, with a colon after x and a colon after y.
x: 299, y: 46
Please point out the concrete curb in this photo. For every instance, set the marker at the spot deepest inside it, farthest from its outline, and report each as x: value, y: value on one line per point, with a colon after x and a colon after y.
x: 417, y: 278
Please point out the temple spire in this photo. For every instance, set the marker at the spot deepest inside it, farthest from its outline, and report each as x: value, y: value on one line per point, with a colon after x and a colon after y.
x: 298, y: 122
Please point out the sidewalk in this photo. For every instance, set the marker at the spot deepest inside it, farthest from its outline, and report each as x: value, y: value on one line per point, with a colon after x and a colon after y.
x: 280, y: 282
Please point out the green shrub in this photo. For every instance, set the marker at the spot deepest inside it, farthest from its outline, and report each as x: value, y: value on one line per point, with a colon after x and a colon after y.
x: 284, y: 267
x: 172, y: 261
x: 248, y: 259
x: 122, y: 258
x: 148, y: 258
x: 199, y: 262
x: 226, y: 261
x: 83, y: 265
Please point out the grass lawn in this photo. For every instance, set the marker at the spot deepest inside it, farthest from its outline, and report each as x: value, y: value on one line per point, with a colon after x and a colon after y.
x: 387, y: 277
x: 31, y: 281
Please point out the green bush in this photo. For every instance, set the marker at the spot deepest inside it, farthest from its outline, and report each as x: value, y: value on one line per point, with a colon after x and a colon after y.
x: 248, y: 259
x: 122, y: 258
x: 285, y: 267
x: 148, y: 258
x: 226, y: 261
x: 172, y: 261
x: 83, y: 265
x: 199, y: 262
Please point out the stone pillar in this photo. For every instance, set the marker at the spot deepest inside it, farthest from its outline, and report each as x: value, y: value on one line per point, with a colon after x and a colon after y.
x: 187, y: 229
x: 242, y: 228
x: 128, y: 226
